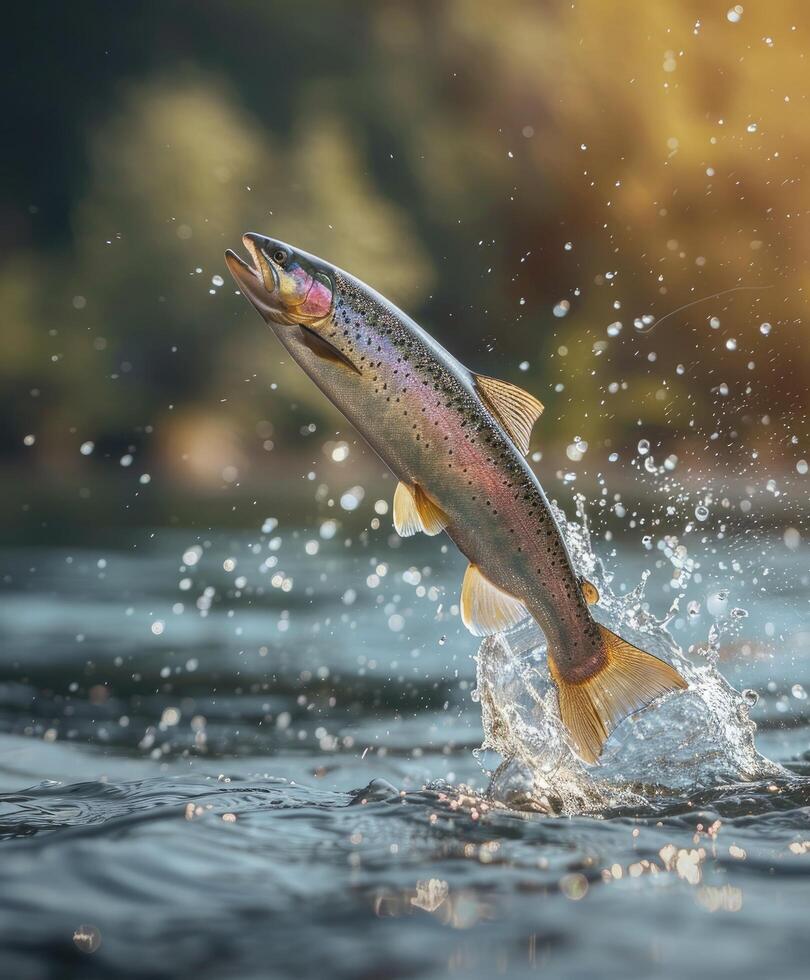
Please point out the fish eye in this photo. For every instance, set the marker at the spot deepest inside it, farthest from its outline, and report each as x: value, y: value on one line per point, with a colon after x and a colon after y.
x: 280, y: 257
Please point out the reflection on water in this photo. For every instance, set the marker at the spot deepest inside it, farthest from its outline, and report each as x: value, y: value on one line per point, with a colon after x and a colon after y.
x: 204, y: 771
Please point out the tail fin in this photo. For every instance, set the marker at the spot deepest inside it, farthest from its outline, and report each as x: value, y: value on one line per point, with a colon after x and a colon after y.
x: 629, y: 680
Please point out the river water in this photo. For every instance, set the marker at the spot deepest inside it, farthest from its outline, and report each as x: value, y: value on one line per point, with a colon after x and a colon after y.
x: 256, y: 754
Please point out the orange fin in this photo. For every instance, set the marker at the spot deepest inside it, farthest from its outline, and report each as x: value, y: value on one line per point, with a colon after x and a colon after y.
x: 514, y: 408
x: 486, y: 609
x: 415, y: 511
x: 589, y: 591
x: 629, y: 680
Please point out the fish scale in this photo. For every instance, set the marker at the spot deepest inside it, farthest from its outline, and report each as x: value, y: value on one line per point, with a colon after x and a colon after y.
x: 455, y: 440
x: 538, y: 569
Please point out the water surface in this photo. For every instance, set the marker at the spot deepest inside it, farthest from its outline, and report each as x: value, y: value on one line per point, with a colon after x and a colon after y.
x: 278, y: 779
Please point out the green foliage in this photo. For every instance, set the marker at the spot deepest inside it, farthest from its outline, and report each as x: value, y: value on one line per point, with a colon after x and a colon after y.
x: 445, y: 153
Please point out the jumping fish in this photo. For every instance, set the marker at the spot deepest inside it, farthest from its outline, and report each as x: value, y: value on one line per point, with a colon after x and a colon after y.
x: 456, y: 442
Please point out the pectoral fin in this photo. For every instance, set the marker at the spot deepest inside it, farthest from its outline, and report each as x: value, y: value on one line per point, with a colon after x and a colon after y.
x: 514, y: 408
x: 323, y: 349
x: 415, y: 511
x: 485, y: 609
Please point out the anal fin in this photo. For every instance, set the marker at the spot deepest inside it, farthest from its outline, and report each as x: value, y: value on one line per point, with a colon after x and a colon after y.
x: 627, y: 682
x: 415, y: 511
x: 486, y: 609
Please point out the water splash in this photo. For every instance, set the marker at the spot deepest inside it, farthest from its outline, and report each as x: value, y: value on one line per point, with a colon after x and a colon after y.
x: 700, y: 738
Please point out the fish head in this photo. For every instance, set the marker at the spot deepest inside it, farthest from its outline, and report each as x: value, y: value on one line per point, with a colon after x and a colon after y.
x: 286, y: 286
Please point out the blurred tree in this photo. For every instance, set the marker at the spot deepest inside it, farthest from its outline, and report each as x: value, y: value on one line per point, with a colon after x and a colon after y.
x: 527, y: 179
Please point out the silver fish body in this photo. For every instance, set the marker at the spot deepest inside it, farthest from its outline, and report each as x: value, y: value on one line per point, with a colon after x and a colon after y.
x: 418, y: 408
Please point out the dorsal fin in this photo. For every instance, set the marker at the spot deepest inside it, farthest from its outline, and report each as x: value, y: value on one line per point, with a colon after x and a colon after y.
x: 514, y: 408
x: 589, y: 591
x: 415, y: 511
x: 485, y: 609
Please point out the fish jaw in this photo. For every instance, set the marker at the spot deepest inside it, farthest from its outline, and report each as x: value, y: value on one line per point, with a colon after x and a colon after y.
x: 250, y: 284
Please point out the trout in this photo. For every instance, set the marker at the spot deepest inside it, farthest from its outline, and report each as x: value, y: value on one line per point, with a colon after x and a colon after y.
x: 456, y: 442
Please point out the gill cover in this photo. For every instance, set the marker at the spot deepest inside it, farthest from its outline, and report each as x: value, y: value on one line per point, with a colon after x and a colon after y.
x: 303, y: 292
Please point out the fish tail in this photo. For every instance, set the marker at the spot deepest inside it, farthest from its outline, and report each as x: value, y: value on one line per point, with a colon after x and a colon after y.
x: 628, y: 681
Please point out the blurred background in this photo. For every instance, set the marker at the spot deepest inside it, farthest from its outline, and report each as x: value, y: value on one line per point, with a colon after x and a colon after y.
x: 537, y: 183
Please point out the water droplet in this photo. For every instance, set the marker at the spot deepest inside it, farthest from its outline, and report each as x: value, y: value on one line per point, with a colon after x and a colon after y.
x: 693, y: 609
x: 751, y: 127
x: 87, y: 938
x: 717, y: 603
x: 568, y: 246
x: 798, y: 692
x: 792, y: 538
x: 576, y: 450
x: 734, y: 14
x: 731, y: 344
x: 750, y: 697
x: 352, y: 498
x: 738, y: 613
x: 765, y: 329
x: 87, y: 447
x: 801, y: 466
x: 562, y: 308
x: 701, y: 512
x: 217, y: 280
x: 643, y: 447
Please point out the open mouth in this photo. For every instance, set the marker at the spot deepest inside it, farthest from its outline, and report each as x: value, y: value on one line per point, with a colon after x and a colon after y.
x: 257, y: 281
x: 256, y: 274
